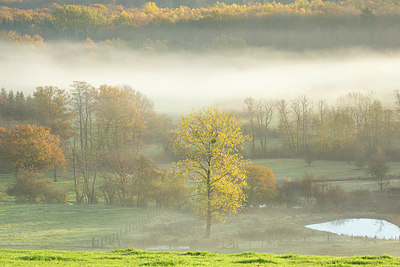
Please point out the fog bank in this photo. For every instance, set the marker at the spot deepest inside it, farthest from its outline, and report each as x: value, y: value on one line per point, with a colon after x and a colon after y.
x: 178, y: 83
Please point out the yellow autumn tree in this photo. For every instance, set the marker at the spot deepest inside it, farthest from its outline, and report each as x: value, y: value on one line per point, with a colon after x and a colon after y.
x: 209, y: 143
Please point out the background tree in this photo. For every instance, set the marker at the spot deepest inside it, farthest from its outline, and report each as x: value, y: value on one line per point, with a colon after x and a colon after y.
x: 85, y: 151
x: 378, y: 168
x: 285, y: 127
x: 117, y: 170
x: 51, y: 109
x: 209, y: 142
x: 250, y: 108
x: 259, y: 115
x: 288, y: 192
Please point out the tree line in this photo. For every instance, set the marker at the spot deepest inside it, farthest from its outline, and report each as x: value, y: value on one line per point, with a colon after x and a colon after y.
x: 100, y: 132
x: 174, y: 25
x: 353, y: 129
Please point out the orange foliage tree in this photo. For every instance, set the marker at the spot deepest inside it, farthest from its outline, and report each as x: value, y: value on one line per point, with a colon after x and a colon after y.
x: 31, y: 147
x: 261, y: 185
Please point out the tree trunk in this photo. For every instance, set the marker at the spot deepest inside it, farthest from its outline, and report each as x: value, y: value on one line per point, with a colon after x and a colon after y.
x: 208, y: 227
x: 55, y: 174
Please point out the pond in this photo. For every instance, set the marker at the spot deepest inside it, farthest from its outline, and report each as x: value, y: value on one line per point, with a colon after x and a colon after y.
x: 359, y: 227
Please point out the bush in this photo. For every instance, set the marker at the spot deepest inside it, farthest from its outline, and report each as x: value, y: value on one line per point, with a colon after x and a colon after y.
x: 329, y: 195
x: 30, y: 187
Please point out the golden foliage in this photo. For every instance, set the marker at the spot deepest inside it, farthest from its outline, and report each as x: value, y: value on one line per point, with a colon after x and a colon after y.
x: 209, y: 143
x: 31, y: 147
x: 77, y: 17
x: 261, y: 184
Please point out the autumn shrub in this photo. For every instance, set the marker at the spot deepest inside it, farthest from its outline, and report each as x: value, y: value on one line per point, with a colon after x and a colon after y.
x: 53, y: 195
x: 30, y: 187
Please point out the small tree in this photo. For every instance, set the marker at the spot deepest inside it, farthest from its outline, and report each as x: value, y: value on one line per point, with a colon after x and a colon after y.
x: 209, y: 143
x: 308, y: 188
x: 378, y: 168
x: 261, y: 185
x: 288, y: 192
x: 30, y: 149
x: 309, y: 156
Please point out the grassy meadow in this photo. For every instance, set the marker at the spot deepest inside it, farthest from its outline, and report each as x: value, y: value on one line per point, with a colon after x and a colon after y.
x: 279, y: 231
x: 65, y: 227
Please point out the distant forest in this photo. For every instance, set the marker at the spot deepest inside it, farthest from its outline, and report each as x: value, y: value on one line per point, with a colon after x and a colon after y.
x: 198, y: 24
x: 32, y: 4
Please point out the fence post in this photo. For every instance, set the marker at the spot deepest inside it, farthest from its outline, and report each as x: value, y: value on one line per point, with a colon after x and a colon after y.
x: 92, y: 242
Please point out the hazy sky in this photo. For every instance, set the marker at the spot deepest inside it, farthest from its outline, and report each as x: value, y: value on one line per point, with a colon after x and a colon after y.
x: 179, y: 82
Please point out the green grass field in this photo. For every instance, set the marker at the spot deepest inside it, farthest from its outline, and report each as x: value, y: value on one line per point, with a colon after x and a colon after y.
x: 296, y: 168
x: 61, y: 226
x: 279, y: 231
x: 129, y: 257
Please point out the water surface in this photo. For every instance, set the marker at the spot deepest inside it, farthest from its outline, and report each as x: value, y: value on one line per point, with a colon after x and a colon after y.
x: 359, y: 227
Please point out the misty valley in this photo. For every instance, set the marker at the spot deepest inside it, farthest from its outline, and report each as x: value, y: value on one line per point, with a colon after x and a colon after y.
x: 199, y: 132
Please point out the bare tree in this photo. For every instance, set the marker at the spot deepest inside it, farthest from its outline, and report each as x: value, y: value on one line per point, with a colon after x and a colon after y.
x: 85, y: 157
x: 264, y: 109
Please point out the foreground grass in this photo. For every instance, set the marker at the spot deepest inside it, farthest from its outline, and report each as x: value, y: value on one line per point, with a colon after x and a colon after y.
x: 131, y: 257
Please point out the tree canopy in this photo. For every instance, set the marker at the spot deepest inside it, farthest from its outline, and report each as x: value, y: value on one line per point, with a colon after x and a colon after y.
x: 209, y: 143
x: 31, y: 147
